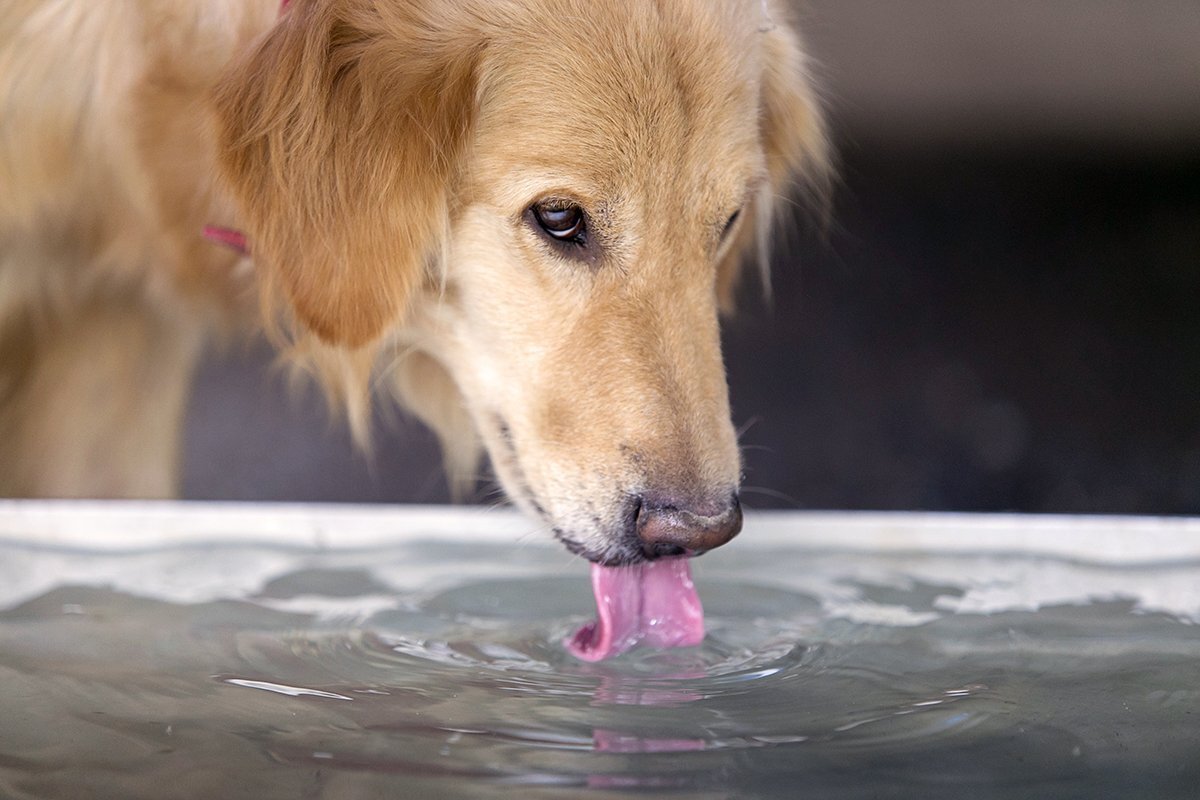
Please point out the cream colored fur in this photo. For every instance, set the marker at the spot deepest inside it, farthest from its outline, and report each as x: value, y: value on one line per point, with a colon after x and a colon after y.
x: 382, y: 156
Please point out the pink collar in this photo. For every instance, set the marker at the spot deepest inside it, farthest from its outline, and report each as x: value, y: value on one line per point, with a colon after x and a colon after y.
x: 230, y: 237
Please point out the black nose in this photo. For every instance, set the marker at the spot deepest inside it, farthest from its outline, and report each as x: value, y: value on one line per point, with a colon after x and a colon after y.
x: 665, y: 529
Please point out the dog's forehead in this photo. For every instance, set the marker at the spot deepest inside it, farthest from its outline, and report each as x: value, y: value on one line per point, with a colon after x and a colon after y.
x: 603, y: 90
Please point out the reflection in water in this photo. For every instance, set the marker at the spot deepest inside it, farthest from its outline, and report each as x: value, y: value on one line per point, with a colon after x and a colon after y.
x: 621, y: 691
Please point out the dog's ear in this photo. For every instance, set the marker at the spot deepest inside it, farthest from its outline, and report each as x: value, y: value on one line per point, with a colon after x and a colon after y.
x: 793, y: 136
x: 791, y: 123
x: 340, y: 135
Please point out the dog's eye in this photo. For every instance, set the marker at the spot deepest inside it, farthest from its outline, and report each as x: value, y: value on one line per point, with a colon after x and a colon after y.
x: 563, y: 223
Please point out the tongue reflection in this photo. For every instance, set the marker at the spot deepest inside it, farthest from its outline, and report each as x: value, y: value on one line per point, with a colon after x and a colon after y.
x: 653, y: 603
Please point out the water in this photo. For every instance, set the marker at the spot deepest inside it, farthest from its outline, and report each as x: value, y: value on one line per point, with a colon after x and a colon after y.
x: 435, y: 669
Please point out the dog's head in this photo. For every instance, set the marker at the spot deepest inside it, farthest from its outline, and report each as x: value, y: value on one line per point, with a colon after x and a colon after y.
x: 545, y: 202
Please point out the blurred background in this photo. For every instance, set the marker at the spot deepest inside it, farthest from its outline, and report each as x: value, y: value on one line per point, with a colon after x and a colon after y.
x: 1002, y: 315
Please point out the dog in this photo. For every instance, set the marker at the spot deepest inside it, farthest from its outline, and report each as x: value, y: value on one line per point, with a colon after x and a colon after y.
x: 523, y: 218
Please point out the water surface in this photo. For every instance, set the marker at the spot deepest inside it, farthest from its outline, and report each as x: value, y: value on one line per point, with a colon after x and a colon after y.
x: 432, y: 669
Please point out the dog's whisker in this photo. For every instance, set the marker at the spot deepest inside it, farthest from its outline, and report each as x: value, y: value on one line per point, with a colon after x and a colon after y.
x: 747, y: 425
x: 533, y: 536
x: 773, y: 493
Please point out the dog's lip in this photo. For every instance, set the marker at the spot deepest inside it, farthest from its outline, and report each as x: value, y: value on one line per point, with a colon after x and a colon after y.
x: 519, y: 490
x: 613, y: 556
x: 618, y: 555
x: 523, y: 495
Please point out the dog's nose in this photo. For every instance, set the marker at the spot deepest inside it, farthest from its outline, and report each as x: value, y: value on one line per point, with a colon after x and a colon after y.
x: 665, y: 529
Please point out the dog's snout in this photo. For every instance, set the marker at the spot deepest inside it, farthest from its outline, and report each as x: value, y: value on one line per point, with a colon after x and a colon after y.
x: 665, y: 529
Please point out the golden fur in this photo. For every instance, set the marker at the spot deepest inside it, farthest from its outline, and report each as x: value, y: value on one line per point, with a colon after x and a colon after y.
x: 381, y: 156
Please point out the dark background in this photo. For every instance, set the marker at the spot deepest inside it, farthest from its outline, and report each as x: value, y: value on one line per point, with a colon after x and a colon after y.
x: 1001, y: 315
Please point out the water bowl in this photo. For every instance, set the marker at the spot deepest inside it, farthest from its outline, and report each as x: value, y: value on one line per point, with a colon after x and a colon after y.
x: 223, y: 651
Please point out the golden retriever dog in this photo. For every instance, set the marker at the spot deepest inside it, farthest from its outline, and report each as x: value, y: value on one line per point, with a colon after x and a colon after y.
x: 522, y: 218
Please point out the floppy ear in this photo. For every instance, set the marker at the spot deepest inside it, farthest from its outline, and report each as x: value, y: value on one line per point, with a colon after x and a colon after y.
x: 340, y: 135
x: 792, y: 132
x: 791, y: 124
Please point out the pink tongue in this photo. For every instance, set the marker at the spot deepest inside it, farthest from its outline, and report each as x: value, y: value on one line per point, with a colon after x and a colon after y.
x: 654, y: 603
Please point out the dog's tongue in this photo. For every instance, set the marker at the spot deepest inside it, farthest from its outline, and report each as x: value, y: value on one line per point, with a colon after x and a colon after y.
x: 654, y: 603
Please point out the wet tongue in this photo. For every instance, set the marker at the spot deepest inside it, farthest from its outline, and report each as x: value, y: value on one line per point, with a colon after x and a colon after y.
x: 653, y: 603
